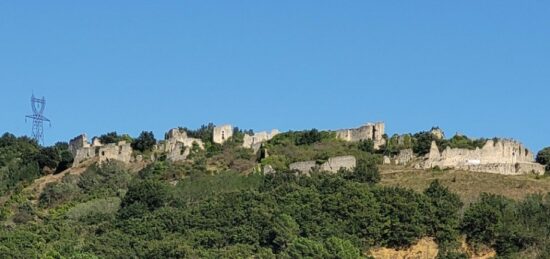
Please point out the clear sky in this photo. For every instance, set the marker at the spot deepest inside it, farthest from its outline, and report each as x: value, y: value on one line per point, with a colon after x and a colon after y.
x: 481, y: 68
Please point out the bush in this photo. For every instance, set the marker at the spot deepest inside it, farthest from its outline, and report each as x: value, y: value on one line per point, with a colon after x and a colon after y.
x: 152, y: 194
x: 56, y: 193
x: 364, y: 172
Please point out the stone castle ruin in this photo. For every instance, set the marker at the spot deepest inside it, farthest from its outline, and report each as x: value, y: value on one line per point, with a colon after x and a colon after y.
x: 499, y: 156
x: 370, y: 131
x: 177, y: 145
x: 222, y: 133
x: 332, y: 165
x: 82, y: 150
x: 255, y: 141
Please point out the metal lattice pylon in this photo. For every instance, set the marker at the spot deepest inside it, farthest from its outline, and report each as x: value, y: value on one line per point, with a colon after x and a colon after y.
x: 38, y: 118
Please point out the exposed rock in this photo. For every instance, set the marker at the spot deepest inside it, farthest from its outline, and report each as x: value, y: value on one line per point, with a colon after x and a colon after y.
x: 387, y: 160
x: 268, y: 169
x: 405, y: 156
x: 437, y: 133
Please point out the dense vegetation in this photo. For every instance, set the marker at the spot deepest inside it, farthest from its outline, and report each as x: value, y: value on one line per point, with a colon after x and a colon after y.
x: 23, y: 160
x: 218, y: 205
x: 543, y: 157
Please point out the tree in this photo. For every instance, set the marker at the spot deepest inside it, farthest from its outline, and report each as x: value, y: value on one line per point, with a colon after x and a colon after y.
x: 146, y: 141
x: 113, y: 137
x: 306, y: 248
x: 364, y: 172
x: 151, y: 193
x: 543, y: 157
x: 308, y: 137
x: 285, y: 229
x: 341, y: 248
x: 444, y: 214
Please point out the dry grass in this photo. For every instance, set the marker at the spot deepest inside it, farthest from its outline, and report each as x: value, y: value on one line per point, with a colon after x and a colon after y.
x: 467, y: 184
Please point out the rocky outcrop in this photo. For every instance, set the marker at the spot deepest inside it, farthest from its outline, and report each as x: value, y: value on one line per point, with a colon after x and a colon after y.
x: 332, y: 165
x: 501, y: 156
x: 370, y: 131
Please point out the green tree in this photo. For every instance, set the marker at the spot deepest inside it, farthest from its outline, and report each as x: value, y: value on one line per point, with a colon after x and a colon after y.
x: 305, y: 248
x: 284, y: 231
x: 444, y: 218
x: 543, y: 156
x: 364, y: 172
x: 151, y: 193
x: 146, y: 141
x: 338, y: 248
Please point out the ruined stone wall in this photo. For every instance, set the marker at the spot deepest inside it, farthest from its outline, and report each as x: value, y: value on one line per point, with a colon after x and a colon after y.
x: 332, y: 165
x: 369, y: 131
x: 222, y: 133
x: 255, y: 141
x: 177, y: 145
x: 120, y: 151
x: 501, y: 156
x: 77, y: 143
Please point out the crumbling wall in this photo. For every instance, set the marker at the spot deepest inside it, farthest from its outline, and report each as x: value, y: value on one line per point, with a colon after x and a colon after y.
x: 80, y: 141
x: 404, y: 157
x: 370, y: 131
x: 255, y: 141
x: 222, y: 133
x: 332, y: 165
x: 82, y: 150
x: 177, y: 145
x: 501, y: 156
x: 120, y: 151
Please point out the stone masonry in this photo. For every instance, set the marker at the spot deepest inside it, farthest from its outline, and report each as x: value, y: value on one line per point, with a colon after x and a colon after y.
x: 332, y: 165
x: 370, y: 131
x: 502, y: 156
x: 255, y: 141
x: 177, y: 145
x: 222, y: 133
x: 82, y: 150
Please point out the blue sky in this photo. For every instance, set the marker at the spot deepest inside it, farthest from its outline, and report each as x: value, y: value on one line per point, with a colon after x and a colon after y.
x: 481, y: 68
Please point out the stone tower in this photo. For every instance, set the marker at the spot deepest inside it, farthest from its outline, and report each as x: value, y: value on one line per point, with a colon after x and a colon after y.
x: 222, y: 133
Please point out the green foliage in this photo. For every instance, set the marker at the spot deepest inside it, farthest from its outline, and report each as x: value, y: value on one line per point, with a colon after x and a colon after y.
x: 444, y: 217
x: 113, y: 137
x: 205, y: 132
x: 57, y: 193
x: 460, y: 141
x: 151, y: 193
x: 366, y: 145
x: 364, y: 172
x: 308, y: 137
x: 145, y: 142
x: 543, y: 156
x: 341, y: 248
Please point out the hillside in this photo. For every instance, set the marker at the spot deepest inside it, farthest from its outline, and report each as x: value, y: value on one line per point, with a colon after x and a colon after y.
x: 190, y: 197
